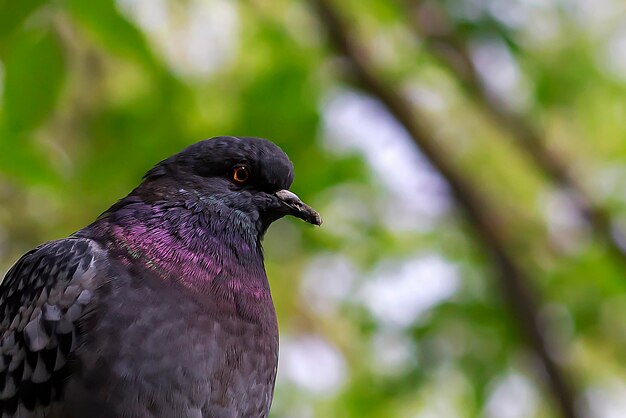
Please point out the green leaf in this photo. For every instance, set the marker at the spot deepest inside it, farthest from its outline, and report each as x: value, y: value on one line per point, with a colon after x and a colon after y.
x: 34, y: 72
x: 111, y: 28
x: 23, y: 159
x: 13, y: 13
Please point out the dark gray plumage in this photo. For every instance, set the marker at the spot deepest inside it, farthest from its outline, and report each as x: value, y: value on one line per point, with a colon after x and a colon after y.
x: 161, y: 307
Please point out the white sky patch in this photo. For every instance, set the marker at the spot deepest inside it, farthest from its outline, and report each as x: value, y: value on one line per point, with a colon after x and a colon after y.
x: 596, y: 15
x: 527, y: 14
x: 609, y: 181
x: 512, y: 13
x: 327, y: 281
x: 607, y: 400
x: 357, y: 123
x: 542, y: 29
x: 151, y: 15
x: 512, y: 396
x: 401, y: 292
x: 539, y: 4
x: 392, y: 353
x: 567, y: 228
x: 313, y: 364
x: 613, y: 56
x: 197, y: 37
x: 515, y: 14
x: 500, y: 73
x: 537, y: 21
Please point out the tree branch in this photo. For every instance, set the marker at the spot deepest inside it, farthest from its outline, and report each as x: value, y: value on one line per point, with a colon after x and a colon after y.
x: 433, y: 26
x: 512, y: 279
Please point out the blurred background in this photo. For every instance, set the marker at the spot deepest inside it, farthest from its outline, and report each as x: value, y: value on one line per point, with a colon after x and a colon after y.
x: 468, y: 158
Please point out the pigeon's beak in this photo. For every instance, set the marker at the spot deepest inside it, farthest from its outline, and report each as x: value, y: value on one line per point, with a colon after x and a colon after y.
x: 296, y: 207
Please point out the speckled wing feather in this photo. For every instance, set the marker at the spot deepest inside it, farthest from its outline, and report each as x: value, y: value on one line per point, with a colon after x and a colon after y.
x: 41, y: 298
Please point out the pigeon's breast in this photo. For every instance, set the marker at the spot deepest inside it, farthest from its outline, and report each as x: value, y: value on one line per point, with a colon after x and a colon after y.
x: 157, y: 348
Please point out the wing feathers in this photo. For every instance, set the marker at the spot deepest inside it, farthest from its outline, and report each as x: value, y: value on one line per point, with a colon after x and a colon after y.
x: 41, y: 298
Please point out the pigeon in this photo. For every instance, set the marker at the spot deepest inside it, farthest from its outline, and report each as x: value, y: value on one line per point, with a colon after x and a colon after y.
x: 161, y: 307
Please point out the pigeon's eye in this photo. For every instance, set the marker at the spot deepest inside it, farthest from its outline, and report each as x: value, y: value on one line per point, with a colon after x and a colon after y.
x: 241, y: 174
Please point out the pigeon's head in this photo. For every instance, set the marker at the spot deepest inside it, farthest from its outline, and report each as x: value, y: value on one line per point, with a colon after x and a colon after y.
x: 248, y: 175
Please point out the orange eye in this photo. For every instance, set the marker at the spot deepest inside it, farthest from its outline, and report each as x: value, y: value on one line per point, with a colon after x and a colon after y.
x: 241, y: 174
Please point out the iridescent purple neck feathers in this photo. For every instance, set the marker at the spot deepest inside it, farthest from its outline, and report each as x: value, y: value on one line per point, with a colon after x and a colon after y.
x: 201, y: 245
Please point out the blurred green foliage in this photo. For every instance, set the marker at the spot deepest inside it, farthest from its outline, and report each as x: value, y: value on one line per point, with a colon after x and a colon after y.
x: 95, y: 92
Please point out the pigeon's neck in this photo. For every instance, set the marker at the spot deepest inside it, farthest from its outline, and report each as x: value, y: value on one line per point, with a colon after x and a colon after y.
x: 202, y: 249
